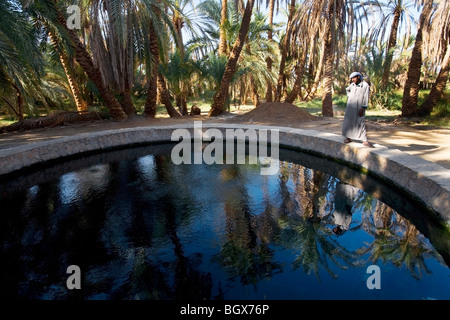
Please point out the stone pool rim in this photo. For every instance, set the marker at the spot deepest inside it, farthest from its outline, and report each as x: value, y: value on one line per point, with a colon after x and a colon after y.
x: 424, y: 180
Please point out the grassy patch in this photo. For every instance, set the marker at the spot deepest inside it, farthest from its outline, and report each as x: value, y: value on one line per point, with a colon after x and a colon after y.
x: 6, y: 121
x: 440, y: 116
x: 387, y: 100
x: 314, y: 106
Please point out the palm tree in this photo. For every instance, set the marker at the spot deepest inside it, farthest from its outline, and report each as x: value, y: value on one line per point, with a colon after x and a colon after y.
x: 400, y: 13
x: 271, y: 6
x: 178, y: 72
x: 51, y: 13
x: 152, y: 64
x: 111, y: 39
x: 210, y: 20
x: 155, y: 79
x: 285, y: 47
x: 437, y: 88
x: 437, y: 45
x: 223, y: 48
x: 333, y: 16
x: 252, y: 73
x: 86, y: 61
x: 221, y: 95
x: 315, y: 66
x: 411, y: 89
x: 21, y: 63
x: 68, y: 63
x: 154, y: 26
x: 303, y: 35
x: 178, y: 21
x: 28, y: 80
x: 64, y: 56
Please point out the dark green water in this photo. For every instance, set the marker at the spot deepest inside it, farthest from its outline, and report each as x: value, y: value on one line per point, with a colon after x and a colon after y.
x: 140, y: 227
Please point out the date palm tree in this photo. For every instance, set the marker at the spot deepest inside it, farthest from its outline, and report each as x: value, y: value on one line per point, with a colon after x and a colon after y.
x: 255, y: 76
x: 302, y: 37
x: 210, y: 70
x: 155, y: 79
x: 208, y: 13
x: 221, y: 95
x: 184, y: 21
x: 333, y: 20
x: 223, y: 47
x: 437, y: 46
x: 411, y: 89
x: 29, y: 81
x: 111, y: 39
x: 51, y: 11
x: 21, y: 63
x: 284, y: 49
x: 64, y: 56
x: 400, y: 12
x: 155, y: 27
x: 270, y: 4
x: 68, y: 64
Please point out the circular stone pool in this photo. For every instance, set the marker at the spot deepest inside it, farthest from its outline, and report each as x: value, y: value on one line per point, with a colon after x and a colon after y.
x: 140, y: 227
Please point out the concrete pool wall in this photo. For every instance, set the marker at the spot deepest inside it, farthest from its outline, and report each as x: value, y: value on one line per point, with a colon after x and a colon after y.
x: 422, y: 179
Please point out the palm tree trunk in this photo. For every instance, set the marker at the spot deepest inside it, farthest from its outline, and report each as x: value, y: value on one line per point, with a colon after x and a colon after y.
x: 181, y: 98
x: 253, y: 87
x: 254, y: 91
x: 327, y: 99
x: 152, y: 93
x: 284, y: 53
x: 438, y: 87
x: 11, y: 107
x: 221, y: 95
x: 80, y: 103
x: 316, y: 82
x: 269, y: 61
x: 299, y: 74
x: 84, y: 59
x: 223, y: 33
x: 19, y: 103
x: 390, y: 48
x: 411, y: 89
x: 165, y: 97
x: 150, y: 102
x: 156, y: 82
x: 126, y: 102
x: 334, y: 15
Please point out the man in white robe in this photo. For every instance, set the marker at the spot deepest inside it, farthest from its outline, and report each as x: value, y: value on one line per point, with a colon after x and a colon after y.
x: 343, y: 204
x: 354, y: 126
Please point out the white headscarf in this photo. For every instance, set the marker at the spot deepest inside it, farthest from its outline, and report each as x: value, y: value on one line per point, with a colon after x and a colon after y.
x: 356, y: 74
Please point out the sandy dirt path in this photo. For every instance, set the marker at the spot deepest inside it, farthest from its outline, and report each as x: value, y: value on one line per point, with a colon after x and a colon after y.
x: 432, y: 144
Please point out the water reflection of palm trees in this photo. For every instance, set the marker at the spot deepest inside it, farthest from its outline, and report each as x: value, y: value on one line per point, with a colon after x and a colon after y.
x: 140, y: 249
x: 396, y: 240
x: 296, y: 217
x: 303, y: 223
x: 245, y: 254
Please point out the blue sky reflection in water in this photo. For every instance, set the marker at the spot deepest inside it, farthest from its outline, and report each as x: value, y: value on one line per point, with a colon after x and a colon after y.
x: 140, y: 227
